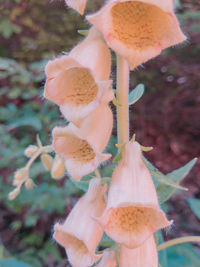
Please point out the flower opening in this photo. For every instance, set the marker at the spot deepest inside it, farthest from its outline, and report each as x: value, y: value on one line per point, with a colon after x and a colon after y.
x: 80, y: 234
x: 138, y: 30
x: 80, y: 156
x: 132, y: 213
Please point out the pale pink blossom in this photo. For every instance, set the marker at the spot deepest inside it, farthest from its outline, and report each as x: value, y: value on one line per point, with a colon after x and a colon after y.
x: 80, y: 155
x: 138, y: 30
x: 78, y: 82
x: 145, y: 255
x: 132, y: 213
x: 108, y: 259
x: 97, y: 127
x: 80, y: 234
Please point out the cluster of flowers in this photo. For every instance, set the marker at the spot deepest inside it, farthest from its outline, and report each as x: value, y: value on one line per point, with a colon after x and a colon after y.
x: 79, y: 84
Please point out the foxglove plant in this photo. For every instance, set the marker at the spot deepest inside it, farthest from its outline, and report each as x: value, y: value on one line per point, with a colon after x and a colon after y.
x: 125, y: 207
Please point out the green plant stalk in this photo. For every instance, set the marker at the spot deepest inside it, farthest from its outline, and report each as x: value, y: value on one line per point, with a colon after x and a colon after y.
x: 122, y: 98
x: 177, y: 241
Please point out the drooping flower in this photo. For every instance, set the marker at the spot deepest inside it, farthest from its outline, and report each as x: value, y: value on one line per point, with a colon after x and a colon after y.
x: 145, y: 255
x: 80, y: 234
x: 132, y: 213
x: 78, y: 5
x: 108, y: 259
x: 138, y: 29
x: 78, y: 82
x: 97, y: 127
x: 80, y: 155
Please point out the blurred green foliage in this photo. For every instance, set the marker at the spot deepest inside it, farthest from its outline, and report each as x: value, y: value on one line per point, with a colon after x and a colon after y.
x: 28, y: 37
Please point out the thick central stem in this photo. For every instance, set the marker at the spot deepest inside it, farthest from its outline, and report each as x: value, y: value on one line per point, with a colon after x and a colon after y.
x: 122, y: 97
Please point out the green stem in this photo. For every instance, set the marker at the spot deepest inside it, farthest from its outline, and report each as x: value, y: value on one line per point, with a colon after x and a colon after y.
x: 177, y: 241
x: 122, y: 98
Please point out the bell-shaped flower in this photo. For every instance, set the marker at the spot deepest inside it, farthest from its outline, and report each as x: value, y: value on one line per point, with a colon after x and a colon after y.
x: 132, y: 213
x: 145, y: 255
x: 138, y: 30
x: 80, y: 155
x: 77, y: 82
x: 78, y: 5
x: 97, y: 127
x: 80, y: 234
x: 108, y: 259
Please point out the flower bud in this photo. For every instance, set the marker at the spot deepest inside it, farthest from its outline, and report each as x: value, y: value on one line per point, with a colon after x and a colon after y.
x: 30, y: 151
x: 58, y: 168
x: 21, y: 174
x: 29, y: 184
x: 12, y: 195
x: 47, y: 161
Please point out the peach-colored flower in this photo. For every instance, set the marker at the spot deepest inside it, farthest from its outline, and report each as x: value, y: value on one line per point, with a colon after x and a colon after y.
x: 80, y: 234
x: 77, y: 82
x: 145, y: 255
x: 78, y: 5
x: 132, y: 213
x: 108, y: 259
x: 97, y: 127
x: 80, y: 155
x: 138, y: 29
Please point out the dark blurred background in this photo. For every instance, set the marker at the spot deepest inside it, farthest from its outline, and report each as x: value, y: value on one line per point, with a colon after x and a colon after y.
x: 167, y: 118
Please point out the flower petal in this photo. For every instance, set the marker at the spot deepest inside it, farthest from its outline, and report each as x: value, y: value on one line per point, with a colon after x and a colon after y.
x: 108, y: 259
x: 132, y: 213
x: 144, y: 256
x: 80, y: 156
x: 138, y: 30
x: 78, y: 5
x: 80, y: 234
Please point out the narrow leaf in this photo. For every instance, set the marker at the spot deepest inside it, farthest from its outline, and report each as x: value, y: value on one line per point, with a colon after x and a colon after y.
x: 183, y: 255
x: 160, y: 178
x: 26, y: 121
x: 165, y: 191
x: 13, y: 263
x: 136, y: 94
x: 195, y: 206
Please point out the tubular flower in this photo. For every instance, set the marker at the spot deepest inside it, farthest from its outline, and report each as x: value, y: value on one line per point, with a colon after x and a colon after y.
x: 144, y: 256
x: 80, y: 156
x: 78, y: 5
x: 138, y: 30
x: 108, y: 259
x: 80, y: 234
x: 132, y: 214
x: 77, y: 82
x: 97, y: 127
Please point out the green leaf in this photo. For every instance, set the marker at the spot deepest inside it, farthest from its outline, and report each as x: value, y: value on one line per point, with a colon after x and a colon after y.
x: 165, y: 191
x: 183, y: 255
x: 84, y: 183
x: 118, y: 157
x: 195, y: 206
x: 160, y: 178
x: 162, y: 253
x: 13, y: 263
x: 136, y: 94
x: 106, y: 241
x: 26, y: 121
